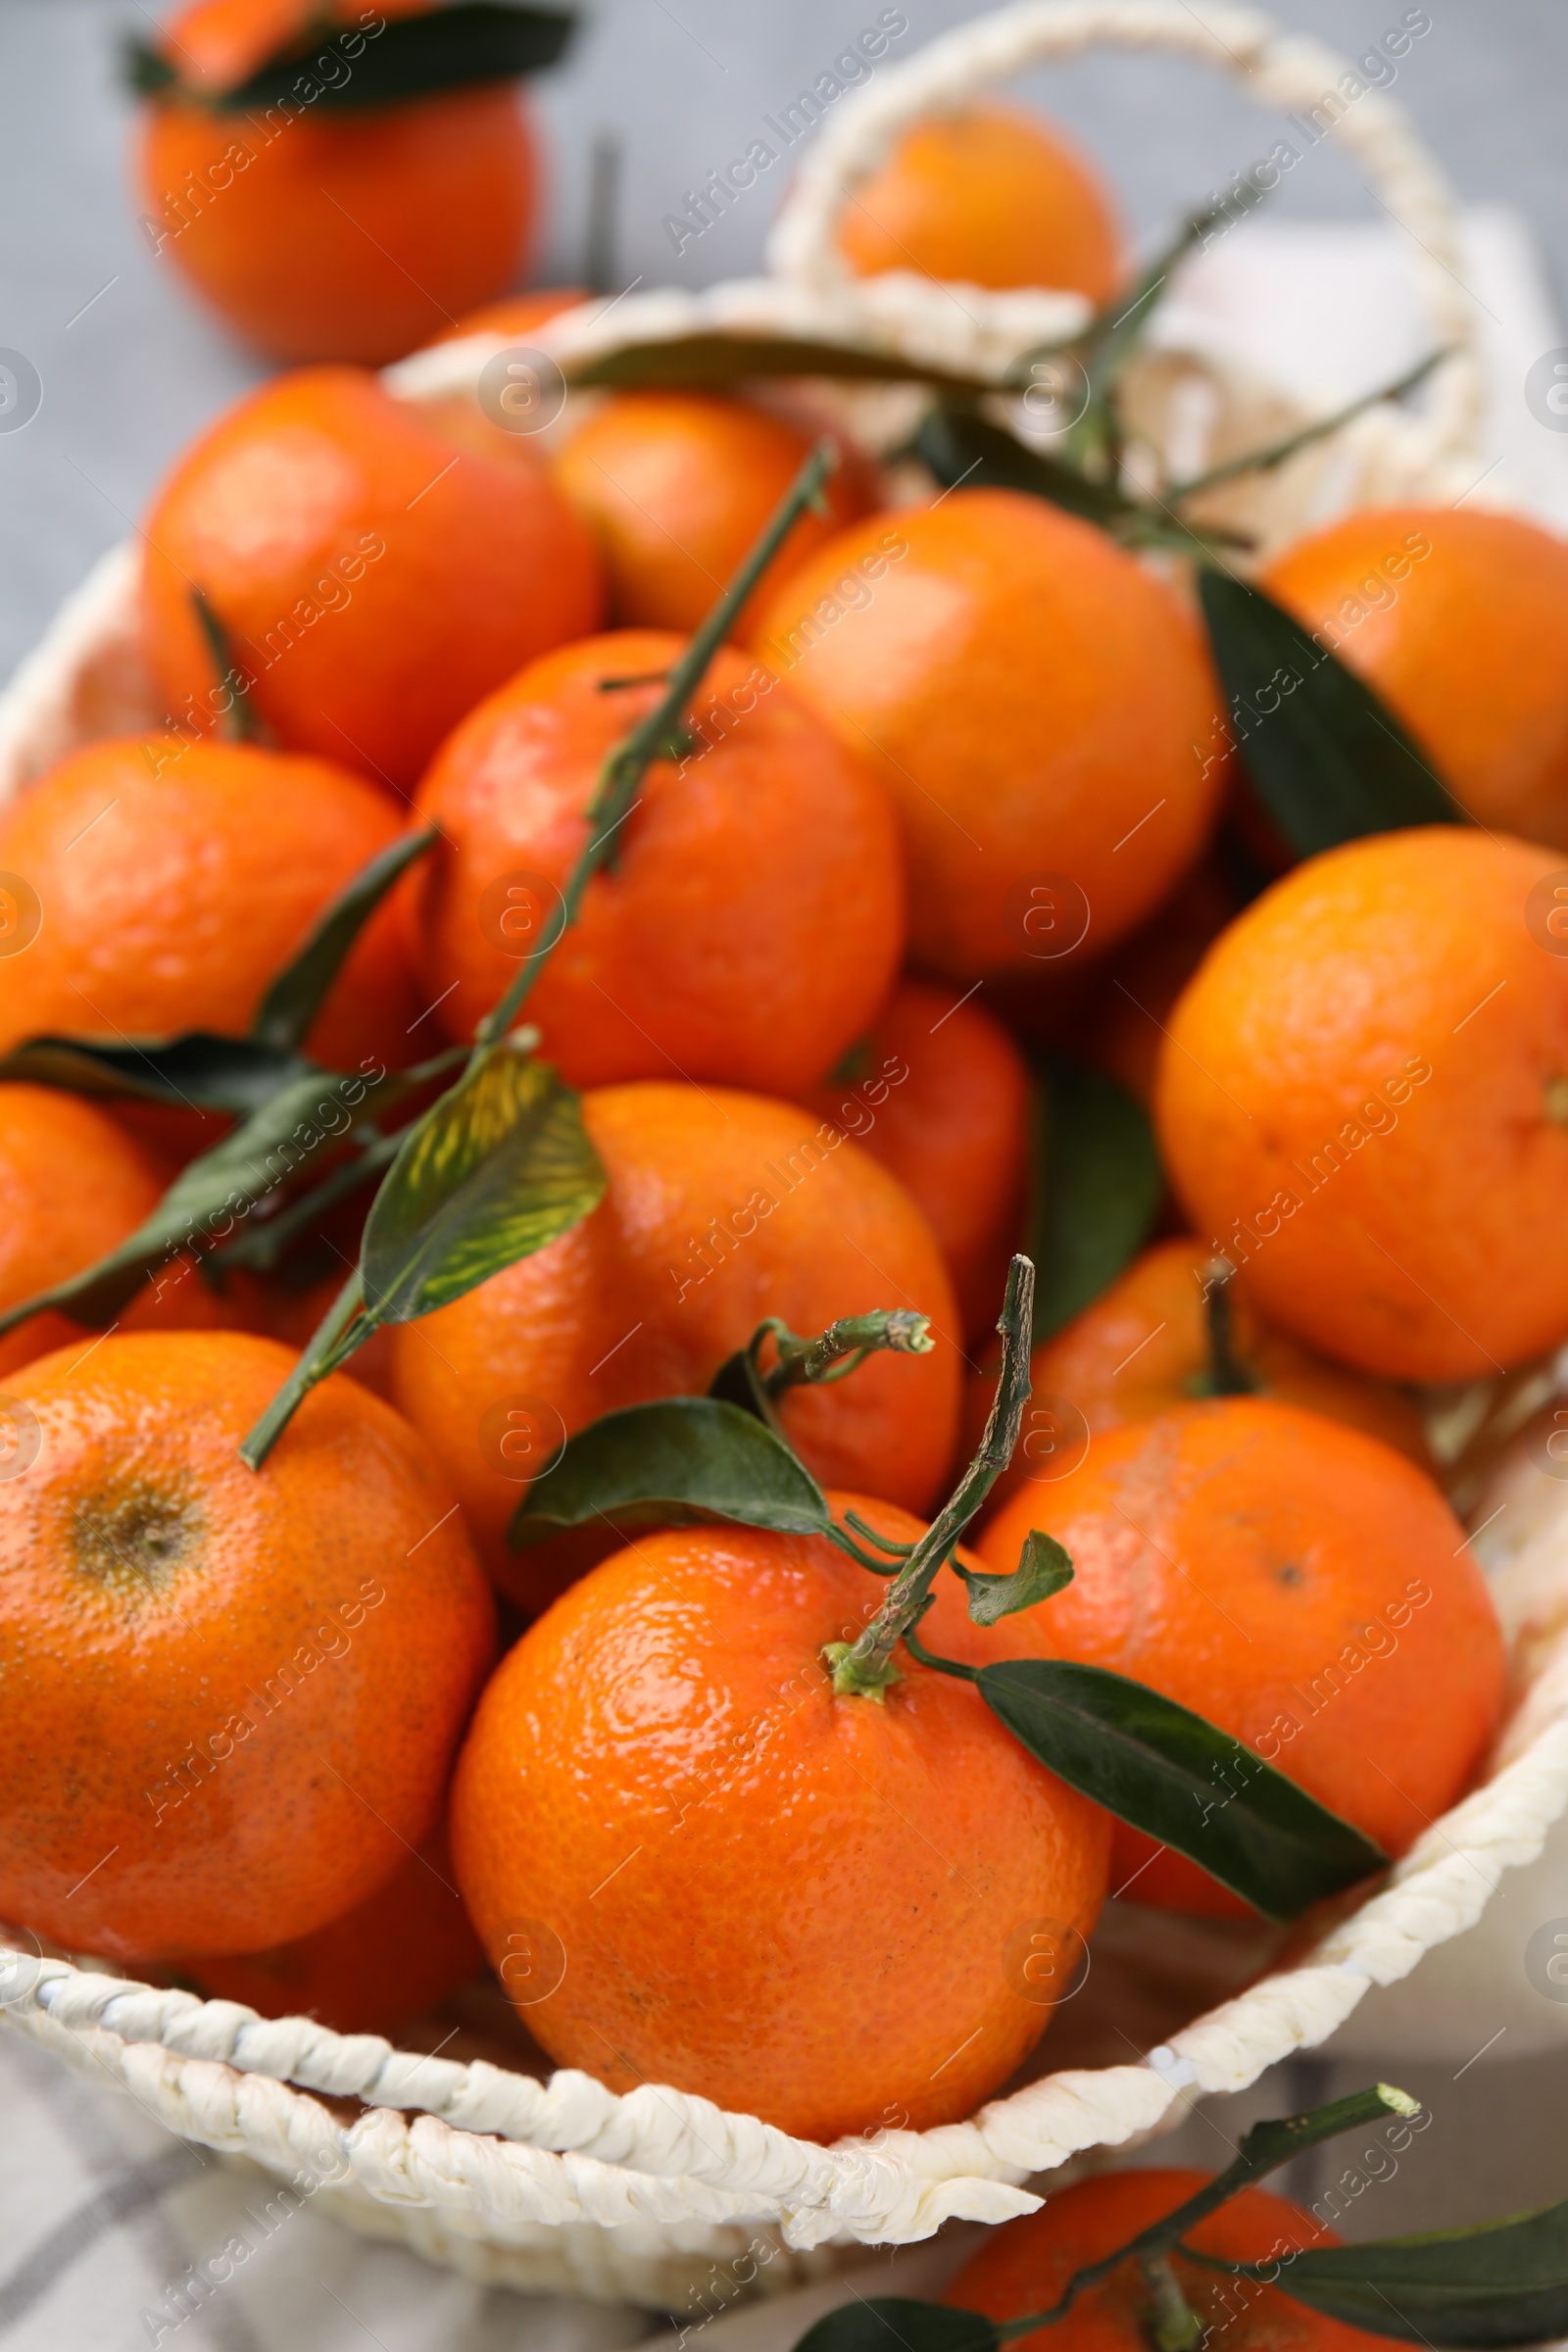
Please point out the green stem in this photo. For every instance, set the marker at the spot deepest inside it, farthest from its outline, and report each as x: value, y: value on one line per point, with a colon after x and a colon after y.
x: 1264, y: 2149
x: 1275, y: 453
x: 624, y: 767
x: 863, y: 1668
x: 348, y: 1323
x: 844, y: 1347
x: 331, y: 1344
x: 1176, y: 2327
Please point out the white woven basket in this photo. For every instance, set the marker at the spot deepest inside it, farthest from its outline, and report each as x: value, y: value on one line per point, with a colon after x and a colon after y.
x: 561, y: 2184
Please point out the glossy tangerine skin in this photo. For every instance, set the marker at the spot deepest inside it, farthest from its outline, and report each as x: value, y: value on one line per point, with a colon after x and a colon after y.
x: 1143, y: 1348
x: 157, y: 1598
x: 73, y: 1185
x: 176, y: 879
x: 751, y: 920
x: 1030, y: 695
x: 1362, y: 1101
x: 1024, y: 2266
x: 278, y: 513
x: 942, y: 1102
x: 1465, y: 643
x: 988, y: 195
x: 385, y: 1962
x: 324, y: 233
x: 721, y: 1209
x: 1267, y: 1568
x: 675, y: 487
x: 795, y: 1904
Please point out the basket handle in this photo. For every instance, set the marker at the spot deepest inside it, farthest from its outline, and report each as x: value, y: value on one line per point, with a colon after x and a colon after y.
x: 1288, y: 71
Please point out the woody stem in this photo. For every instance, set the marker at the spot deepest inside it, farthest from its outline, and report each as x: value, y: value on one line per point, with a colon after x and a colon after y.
x: 628, y: 761
x: 864, y: 1667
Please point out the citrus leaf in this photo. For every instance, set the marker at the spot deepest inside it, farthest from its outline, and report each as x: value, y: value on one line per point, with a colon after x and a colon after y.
x: 1325, y: 756
x: 960, y: 447
x: 1098, y: 1188
x: 1179, y: 1778
x: 500, y: 1167
x: 717, y: 360
x: 677, y: 1460
x: 1497, y: 2283
x: 738, y: 1382
x: 409, y: 56
x: 897, y: 2324
x: 1044, y: 1568
x: 197, y: 1071
x: 300, y: 989
x: 314, y: 1113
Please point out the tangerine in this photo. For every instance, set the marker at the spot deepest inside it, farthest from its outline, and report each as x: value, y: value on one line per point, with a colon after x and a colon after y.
x: 721, y: 1209
x: 1024, y: 2266
x: 373, y: 578
x: 1299, y: 1582
x: 675, y: 486
x: 1363, y: 1099
x: 388, y: 1960
x: 330, y: 231
x: 1456, y: 617
x: 1030, y: 695
x: 1146, y: 1344
x: 940, y: 1094
x: 176, y: 879
x: 989, y: 195
x: 73, y: 1187
x: 720, y: 1874
x: 239, y: 1692
x: 751, y: 919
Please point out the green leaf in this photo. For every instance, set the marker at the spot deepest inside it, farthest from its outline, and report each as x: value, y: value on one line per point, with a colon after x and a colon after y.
x: 678, y: 1461
x: 300, y: 989
x: 195, y: 1072
x: 897, y: 2324
x: 960, y: 447
x: 716, y: 360
x: 1179, y: 1778
x: 1325, y: 757
x: 740, y: 1382
x: 411, y: 57
x: 316, y: 1113
x: 1044, y: 1567
x: 1098, y: 1188
x: 1497, y: 2283
x: 500, y: 1167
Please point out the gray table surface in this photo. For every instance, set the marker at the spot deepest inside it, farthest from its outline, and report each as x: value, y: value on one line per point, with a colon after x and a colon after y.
x: 131, y: 369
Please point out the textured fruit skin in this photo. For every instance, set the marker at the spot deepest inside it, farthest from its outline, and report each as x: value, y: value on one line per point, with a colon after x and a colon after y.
x: 1143, y: 1349
x: 1265, y: 1567
x: 751, y: 920
x: 1465, y: 643
x: 673, y: 1272
x: 1356, y: 1103
x: 953, y: 1128
x: 795, y: 1904
x: 154, y: 1595
x: 992, y: 196
x: 675, y: 486
x: 397, y: 1953
x: 1030, y: 695
x: 1024, y: 2266
x: 372, y: 587
x: 345, y: 235
x: 177, y: 879
x: 73, y: 1185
